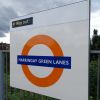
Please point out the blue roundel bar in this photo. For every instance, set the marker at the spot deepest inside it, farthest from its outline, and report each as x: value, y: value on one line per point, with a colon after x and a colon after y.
x: 45, y: 61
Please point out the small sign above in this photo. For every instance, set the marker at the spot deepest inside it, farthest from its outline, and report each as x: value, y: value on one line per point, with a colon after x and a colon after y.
x: 22, y: 22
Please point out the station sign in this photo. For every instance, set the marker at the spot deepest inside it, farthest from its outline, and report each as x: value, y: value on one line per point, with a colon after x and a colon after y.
x: 49, y: 52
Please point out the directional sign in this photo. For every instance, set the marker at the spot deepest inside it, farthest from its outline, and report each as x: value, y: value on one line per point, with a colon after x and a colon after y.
x: 49, y: 51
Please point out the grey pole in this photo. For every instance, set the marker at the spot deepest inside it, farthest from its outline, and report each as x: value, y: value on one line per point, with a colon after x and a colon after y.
x: 98, y: 80
x: 1, y: 76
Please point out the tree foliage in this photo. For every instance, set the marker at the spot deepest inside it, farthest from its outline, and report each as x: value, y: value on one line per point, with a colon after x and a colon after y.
x: 94, y: 45
x: 93, y: 79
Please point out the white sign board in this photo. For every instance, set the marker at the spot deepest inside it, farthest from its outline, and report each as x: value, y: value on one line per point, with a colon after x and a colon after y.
x: 49, y: 52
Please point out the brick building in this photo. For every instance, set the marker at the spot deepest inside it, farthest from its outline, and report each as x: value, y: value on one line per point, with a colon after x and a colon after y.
x: 4, y: 46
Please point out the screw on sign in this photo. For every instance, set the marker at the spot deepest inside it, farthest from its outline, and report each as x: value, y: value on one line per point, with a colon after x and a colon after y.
x: 61, y: 61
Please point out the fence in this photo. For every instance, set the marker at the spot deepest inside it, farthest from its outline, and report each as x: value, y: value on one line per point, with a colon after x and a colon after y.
x: 98, y: 73
x: 9, y: 93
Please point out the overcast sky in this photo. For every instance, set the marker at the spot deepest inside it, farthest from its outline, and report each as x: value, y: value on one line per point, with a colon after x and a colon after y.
x: 14, y: 8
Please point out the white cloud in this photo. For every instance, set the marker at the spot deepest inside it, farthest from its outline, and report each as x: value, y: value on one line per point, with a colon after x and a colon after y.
x: 5, y: 39
x: 6, y: 13
x: 27, y: 6
x: 95, y: 5
x: 22, y: 7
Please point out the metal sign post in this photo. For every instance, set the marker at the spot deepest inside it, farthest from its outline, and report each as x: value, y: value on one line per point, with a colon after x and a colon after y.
x: 98, y: 78
x: 1, y: 77
x: 98, y: 75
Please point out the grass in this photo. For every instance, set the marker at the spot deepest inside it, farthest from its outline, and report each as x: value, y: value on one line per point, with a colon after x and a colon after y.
x: 17, y: 94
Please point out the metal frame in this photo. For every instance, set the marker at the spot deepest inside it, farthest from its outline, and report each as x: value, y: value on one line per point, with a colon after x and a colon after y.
x: 2, y: 72
x: 89, y: 46
x: 1, y: 77
x: 98, y: 75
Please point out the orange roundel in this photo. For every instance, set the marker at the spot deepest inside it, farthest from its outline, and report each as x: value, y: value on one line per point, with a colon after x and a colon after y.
x: 56, y: 50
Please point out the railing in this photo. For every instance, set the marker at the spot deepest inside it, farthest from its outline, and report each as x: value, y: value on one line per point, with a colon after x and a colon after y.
x: 98, y: 75
x: 9, y: 93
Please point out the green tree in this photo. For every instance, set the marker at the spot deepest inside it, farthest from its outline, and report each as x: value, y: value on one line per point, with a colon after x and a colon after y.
x: 95, y: 40
x: 93, y: 79
x: 94, y: 44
